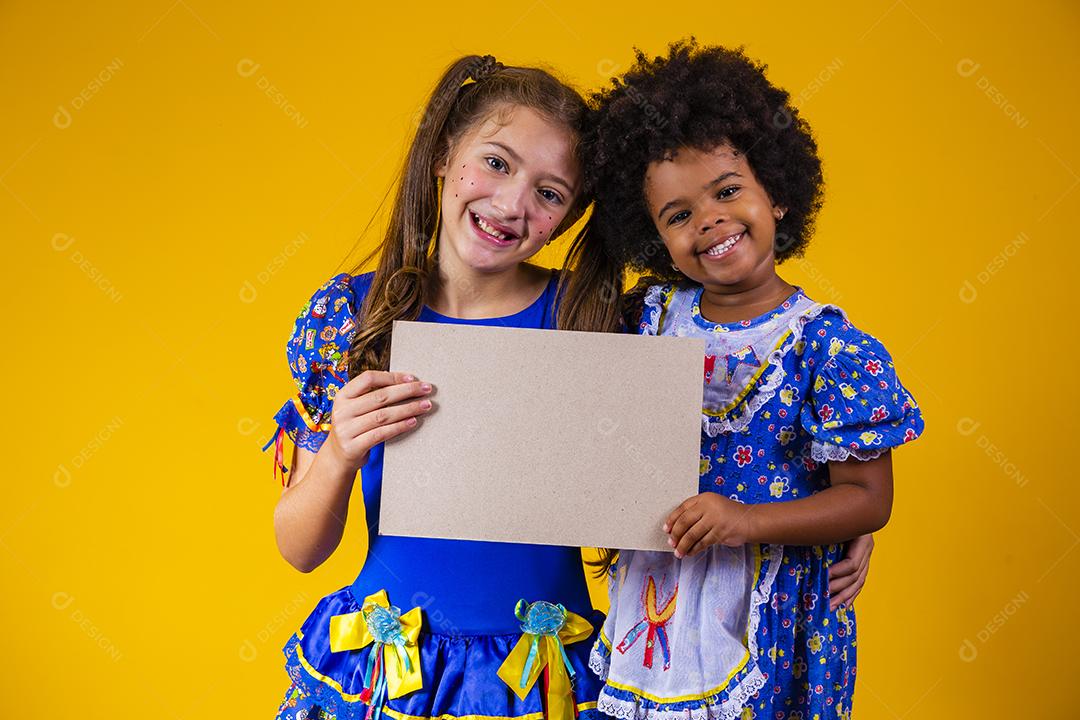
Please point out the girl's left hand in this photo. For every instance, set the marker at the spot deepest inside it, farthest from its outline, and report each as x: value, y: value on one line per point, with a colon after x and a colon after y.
x: 707, y: 519
x: 847, y: 577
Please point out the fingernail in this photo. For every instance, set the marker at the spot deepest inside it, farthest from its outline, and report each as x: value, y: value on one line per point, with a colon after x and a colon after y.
x: 671, y: 542
x: 409, y: 378
x: 666, y: 528
x: 410, y: 421
x: 425, y: 387
x: 425, y: 404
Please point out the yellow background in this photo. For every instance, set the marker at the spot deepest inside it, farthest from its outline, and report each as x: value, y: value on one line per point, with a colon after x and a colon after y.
x: 176, y: 177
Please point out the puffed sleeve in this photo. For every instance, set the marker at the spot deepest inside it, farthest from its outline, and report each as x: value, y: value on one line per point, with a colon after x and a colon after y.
x: 317, y: 352
x: 856, y: 407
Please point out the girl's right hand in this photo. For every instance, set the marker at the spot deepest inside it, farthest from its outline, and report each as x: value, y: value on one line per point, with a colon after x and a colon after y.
x: 847, y: 577
x: 372, y: 408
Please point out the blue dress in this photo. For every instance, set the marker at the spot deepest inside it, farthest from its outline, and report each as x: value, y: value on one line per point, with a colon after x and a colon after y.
x: 466, y: 590
x: 747, y: 632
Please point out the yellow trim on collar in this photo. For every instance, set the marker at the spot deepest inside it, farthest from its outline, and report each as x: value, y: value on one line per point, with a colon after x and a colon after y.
x: 750, y: 385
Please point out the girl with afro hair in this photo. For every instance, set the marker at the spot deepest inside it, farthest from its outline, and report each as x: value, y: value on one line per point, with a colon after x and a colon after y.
x: 705, y: 179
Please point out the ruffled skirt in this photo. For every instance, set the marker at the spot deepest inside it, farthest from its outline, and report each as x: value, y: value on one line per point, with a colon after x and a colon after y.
x: 459, y: 675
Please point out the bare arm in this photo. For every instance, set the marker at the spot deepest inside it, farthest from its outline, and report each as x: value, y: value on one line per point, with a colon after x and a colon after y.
x: 858, y: 502
x: 309, y: 519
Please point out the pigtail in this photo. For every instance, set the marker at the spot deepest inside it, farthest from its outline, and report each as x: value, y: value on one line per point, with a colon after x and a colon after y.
x: 602, y: 565
x: 591, y: 287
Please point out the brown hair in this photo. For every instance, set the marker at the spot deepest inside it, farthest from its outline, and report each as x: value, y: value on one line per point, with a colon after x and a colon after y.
x: 469, y: 91
x: 591, y: 286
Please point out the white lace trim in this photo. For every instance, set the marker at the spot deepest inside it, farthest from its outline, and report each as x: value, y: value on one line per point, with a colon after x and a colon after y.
x: 766, y: 389
x: 738, y: 697
x: 599, y: 661
x: 773, y: 558
x: 826, y: 452
x: 730, y: 710
x: 654, y: 297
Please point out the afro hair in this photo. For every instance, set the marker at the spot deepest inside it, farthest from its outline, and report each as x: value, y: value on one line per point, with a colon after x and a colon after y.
x: 699, y: 97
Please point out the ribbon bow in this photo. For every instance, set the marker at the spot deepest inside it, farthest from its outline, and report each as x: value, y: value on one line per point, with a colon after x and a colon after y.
x: 545, y: 629
x: 393, y: 666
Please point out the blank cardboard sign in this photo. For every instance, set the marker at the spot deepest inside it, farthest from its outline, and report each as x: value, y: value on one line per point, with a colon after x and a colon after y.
x: 544, y: 436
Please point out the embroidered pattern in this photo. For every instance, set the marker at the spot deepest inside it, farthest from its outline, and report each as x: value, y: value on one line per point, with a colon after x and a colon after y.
x: 653, y: 624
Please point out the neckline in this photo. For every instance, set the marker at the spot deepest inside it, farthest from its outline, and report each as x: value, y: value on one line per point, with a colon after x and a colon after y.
x: 702, y: 321
x: 428, y: 310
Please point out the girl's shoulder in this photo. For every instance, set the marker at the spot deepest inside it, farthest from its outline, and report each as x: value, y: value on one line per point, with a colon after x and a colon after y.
x: 855, y: 404
x: 317, y: 354
x: 341, y: 291
x: 644, y: 305
x: 829, y: 333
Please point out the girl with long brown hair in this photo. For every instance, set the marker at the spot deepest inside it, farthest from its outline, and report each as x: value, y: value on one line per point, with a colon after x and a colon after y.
x: 492, y: 175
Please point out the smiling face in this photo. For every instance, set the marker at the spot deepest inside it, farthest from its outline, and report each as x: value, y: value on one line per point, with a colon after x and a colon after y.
x: 715, y: 219
x: 507, y: 185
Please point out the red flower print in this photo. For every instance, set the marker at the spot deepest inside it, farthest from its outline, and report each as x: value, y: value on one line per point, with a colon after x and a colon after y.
x: 879, y: 414
x: 744, y: 455
x: 825, y: 412
x: 873, y: 367
x: 909, y: 435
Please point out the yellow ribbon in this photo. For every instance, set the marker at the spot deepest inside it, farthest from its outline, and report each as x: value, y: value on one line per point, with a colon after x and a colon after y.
x: 350, y: 632
x: 560, y: 698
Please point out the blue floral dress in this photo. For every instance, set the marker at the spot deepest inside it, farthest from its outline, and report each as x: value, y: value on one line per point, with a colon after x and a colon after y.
x: 444, y: 610
x: 747, y: 632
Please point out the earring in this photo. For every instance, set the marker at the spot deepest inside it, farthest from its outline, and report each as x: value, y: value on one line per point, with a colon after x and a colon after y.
x: 779, y: 216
